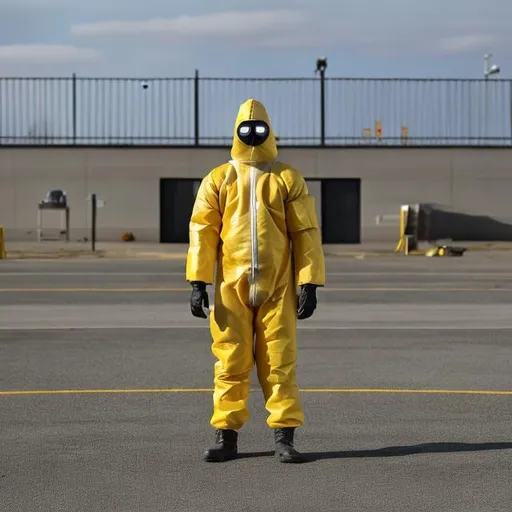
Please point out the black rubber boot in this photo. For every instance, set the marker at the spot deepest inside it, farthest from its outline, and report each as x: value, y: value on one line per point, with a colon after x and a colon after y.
x: 225, y: 448
x: 285, y: 450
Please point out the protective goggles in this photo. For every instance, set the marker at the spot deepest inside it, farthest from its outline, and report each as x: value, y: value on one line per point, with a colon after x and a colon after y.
x: 253, y: 133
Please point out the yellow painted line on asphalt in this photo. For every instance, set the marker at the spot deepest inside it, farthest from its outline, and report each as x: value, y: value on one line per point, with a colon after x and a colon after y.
x: 417, y: 289
x: 322, y: 290
x: 412, y: 391
x: 92, y: 290
x: 209, y: 390
x: 102, y: 391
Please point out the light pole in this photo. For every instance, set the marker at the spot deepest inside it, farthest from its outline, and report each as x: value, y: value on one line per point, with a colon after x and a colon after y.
x: 321, y: 66
x: 489, y: 70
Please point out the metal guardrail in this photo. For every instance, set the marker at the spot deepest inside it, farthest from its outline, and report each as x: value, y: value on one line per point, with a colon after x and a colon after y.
x: 304, y: 111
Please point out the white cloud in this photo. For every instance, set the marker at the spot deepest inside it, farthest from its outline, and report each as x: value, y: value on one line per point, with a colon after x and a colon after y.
x: 40, y: 5
x: 468, y: 42
x: 51, y: 54
x: 401, y: 33
x: 243, y: 27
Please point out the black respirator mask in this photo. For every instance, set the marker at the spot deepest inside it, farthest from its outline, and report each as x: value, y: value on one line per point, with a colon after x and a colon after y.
x: 253, y: 133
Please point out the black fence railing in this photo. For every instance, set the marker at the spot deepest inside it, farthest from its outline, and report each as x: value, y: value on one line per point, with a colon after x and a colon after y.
x: 304, y: 111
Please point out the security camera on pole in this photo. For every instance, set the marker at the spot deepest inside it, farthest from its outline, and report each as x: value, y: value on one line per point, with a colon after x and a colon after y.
x: 488, y: 69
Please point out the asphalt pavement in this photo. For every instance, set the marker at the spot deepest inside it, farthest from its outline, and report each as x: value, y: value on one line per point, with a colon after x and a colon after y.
x: 405, y: 371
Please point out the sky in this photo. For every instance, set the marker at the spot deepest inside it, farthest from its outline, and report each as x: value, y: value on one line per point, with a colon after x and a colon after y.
x: 402, y: 38
x: 269, y: 38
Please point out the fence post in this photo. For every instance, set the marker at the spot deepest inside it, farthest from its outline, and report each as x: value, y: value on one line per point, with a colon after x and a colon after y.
x: 196, y: 108
x: 510, y: 107
x: 321, y: 66
x: 322, y: 106
x: 73, y: 95
x: 94, y: 210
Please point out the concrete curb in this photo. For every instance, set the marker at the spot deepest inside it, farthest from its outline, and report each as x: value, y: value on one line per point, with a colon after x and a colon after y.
x: 54, y: 255
x: 105, y: 254
x: 358, y: 256
x: 489, y: 248
x: 134, y: 254
x: 160, y: 255
x: 87, y: 254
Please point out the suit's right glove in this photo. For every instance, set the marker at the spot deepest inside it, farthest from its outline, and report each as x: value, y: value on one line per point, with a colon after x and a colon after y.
x: 198, y: 299
x: 307, y: 301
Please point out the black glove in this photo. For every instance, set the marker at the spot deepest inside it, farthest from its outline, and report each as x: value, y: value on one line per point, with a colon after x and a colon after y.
x: 199, y: 298
x: 307, y: 301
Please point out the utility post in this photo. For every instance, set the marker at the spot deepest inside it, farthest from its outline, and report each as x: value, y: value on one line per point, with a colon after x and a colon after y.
x: 321, y: 66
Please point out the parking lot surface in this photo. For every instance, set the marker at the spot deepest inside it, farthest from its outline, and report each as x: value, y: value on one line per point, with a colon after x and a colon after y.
x: 405, y: 371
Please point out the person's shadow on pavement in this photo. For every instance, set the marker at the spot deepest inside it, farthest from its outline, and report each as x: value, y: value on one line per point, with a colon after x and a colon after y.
x: 390, y: 451
x: 400, y: 451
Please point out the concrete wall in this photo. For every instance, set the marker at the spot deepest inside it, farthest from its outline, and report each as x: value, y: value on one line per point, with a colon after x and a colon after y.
x: 475, y: 180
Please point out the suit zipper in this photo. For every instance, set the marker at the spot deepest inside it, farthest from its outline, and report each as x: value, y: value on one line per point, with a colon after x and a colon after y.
x: 254, y: 238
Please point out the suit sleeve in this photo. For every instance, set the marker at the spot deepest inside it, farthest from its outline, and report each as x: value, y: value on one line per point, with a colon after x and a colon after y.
x: 304, y: 232
x: 204, y: 233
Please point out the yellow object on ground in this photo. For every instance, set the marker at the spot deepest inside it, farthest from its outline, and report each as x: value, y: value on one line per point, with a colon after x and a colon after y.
x: 247, y: 213
x: 445, y: 251
x: 3, y: 253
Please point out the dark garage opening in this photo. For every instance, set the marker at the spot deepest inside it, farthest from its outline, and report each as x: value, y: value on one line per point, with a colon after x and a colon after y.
x: 341, y: 211
x: 177, y: 197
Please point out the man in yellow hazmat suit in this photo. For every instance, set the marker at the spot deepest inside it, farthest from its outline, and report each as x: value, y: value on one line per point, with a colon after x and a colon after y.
x: 254, y: 219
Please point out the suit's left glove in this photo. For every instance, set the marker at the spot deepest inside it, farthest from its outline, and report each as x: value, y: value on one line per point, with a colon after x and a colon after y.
x: 307, y: 301
x: 198, y: 299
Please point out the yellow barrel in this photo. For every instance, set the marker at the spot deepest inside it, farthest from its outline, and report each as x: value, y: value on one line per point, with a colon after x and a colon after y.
x: 3, y: 254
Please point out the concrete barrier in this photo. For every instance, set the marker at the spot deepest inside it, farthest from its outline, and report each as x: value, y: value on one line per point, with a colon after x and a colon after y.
x: 440, y: 222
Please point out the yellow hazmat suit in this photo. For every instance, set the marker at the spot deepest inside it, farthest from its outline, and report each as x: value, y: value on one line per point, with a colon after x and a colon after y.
x: 253, y: 217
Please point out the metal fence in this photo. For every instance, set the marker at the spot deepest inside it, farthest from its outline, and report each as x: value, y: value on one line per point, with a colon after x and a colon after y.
x: 304, y: 111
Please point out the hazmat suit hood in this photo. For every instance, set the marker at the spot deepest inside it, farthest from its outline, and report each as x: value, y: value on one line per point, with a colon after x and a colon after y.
x: 253, y: 110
